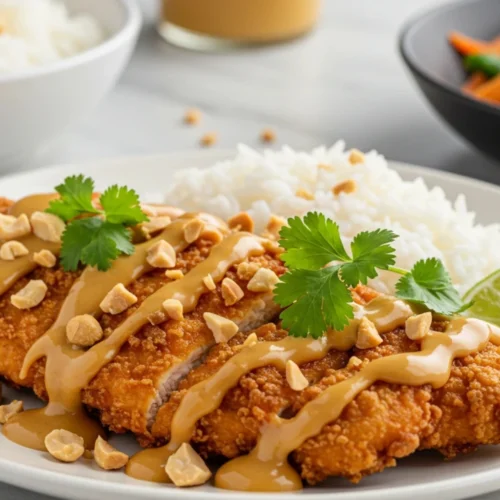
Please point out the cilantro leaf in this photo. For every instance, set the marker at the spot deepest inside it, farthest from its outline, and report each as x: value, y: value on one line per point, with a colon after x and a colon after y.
x: 121, y: 206
x: 94, y: 242
x: 371, y: 250
x: 312, y: 242
x: 316, y: 301
x: 75, y: 198
x: 74, y: 239
x: 430, y: 285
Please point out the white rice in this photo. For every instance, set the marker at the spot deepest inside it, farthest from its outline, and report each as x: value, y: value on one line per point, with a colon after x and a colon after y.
x: 428, y: 224
x: 39, y: 32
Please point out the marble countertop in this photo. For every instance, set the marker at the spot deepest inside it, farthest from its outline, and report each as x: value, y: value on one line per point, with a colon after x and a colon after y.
x: 345, y: 80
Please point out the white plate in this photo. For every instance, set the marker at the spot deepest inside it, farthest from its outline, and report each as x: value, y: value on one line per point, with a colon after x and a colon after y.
x: 420, y: 476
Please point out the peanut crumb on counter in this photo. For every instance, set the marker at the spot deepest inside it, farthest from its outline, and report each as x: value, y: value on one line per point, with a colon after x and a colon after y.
x: 192, y: 116
x: 324, y: 166
x: 268, y: 135
x: 208, y: 139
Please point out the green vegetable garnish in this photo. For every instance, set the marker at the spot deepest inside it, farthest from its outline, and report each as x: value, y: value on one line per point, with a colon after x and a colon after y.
x: 489, y: 64
x: 318, y: 298
x: 95, y: 237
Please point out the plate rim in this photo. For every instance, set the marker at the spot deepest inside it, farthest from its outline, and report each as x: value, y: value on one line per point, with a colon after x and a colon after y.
x: 17, y: 474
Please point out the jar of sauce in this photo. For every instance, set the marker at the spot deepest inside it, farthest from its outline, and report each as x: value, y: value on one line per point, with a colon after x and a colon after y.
x: 209, y: 24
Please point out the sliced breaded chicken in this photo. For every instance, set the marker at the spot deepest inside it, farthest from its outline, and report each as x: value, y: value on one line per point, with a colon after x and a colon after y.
x: 19, y: 329
x: 130, y: 389
x: 233, y: 428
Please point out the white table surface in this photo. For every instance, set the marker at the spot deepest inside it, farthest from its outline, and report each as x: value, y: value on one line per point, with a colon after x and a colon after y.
x: 346, y: 80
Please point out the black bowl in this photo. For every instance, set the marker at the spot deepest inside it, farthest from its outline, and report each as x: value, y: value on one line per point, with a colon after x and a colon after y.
x: 439, y: 72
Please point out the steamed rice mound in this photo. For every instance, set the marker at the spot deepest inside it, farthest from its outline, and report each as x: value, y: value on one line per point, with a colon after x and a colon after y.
x: 428, y: 224
x: 39, y: 32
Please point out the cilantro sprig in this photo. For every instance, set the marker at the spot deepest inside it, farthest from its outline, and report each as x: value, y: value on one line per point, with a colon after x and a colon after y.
x: 94, y: 236
x: 316, y: 290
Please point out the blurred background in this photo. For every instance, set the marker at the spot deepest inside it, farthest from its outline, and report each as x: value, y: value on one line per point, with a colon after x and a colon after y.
x: 343, y: 80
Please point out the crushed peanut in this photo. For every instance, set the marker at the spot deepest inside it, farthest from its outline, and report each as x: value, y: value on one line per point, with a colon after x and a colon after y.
x: 209, y: 282
x: 174, y: 274
x: 107, y: 457
x: 368, y: 335
x: 192, y: 116
x: 12, y: 249
x: 47, y: 227
x: 294, y: 376
x: 8, y: 411
x: 117, y: 300
x: 274, y: 226
x: 247, y: 270
x: 324, y: 166
x: 161, y: 254
x: 251, y: 340
x: 223, y: 329
x: 347, y: 187
x: 186, y: 468
x: 267, y: 135
x: 356, y: 156
x: 241, y: 222
x: 417, y: 327
x: 157, y: 317
x: 14, y: 227
x: 155, y: 224
x: 84, y: 330
x: 209, y: 139
x: 64, y: 445
x: 305, y: 194
x: 193, y: 230
x: 264, y: 280
x: 231, y: 292
x: 354, y: 362
x: 45, y: 258
x: 174, y: 309
x: 29, y: 296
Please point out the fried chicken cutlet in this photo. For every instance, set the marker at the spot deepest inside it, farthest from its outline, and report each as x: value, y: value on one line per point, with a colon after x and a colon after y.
x: 382, y: 424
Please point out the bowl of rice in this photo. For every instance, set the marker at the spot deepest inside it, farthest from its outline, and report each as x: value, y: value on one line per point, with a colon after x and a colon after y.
x: 58, y: 59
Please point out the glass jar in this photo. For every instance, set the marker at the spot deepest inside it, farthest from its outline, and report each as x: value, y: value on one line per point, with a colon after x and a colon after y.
x: 212, y: 24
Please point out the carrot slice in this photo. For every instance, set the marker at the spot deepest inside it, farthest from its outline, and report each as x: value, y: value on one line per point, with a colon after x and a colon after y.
x: 467, y: 45
x: 489, y: 91
x: 474, y: 81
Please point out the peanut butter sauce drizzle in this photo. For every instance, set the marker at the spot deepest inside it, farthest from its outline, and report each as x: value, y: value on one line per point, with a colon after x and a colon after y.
x: 386, y: 313
x: 13, y: 270
x: 266, y: 468
x: 69, y: 370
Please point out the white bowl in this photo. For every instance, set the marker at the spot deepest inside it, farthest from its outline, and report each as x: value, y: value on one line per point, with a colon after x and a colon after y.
x: 37, y: 105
